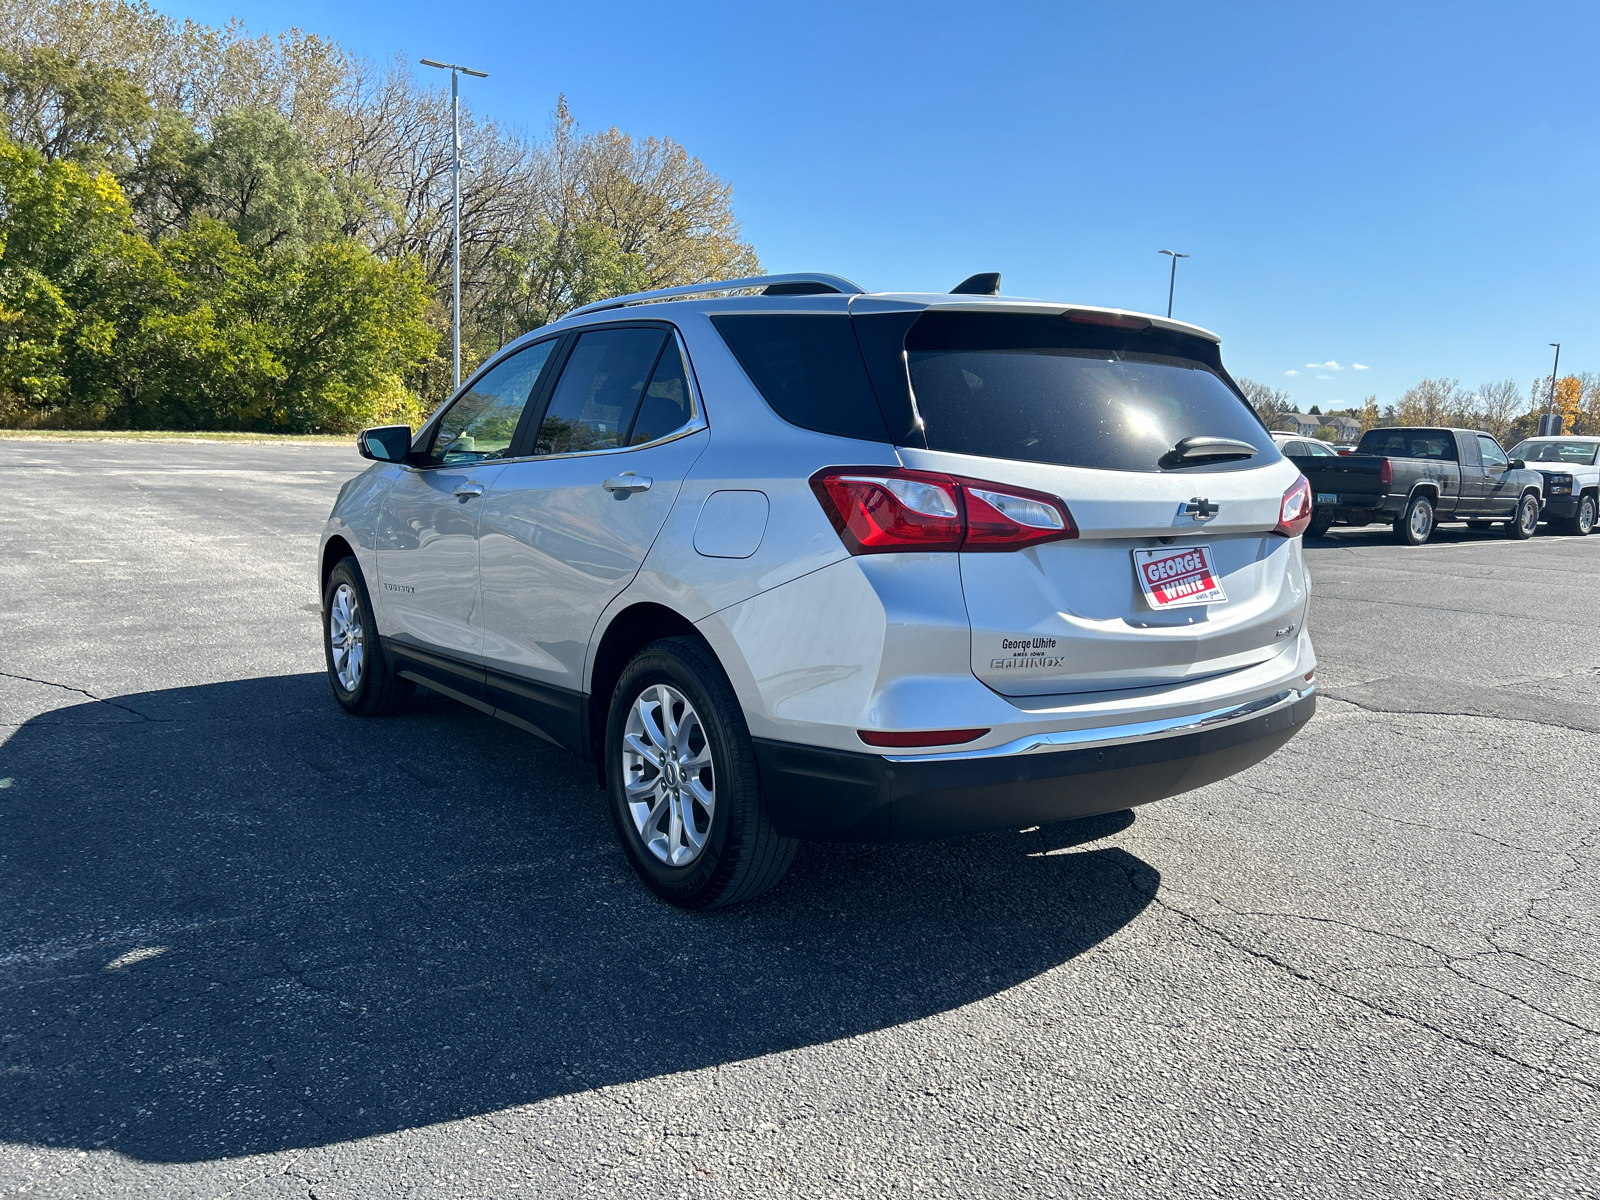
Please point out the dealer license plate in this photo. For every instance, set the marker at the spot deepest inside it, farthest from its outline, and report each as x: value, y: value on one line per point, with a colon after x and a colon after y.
x: 1177, y: 578
x: 1327, y: 498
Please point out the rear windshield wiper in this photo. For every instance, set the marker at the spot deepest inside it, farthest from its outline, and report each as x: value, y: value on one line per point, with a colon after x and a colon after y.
x: 1193, y: 451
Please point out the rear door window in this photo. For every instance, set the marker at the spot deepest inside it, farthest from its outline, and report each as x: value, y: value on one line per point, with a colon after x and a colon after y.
x: 598, y: 394
x: 483, y: 420
x: 1025, y: 387
x: 668, y: 403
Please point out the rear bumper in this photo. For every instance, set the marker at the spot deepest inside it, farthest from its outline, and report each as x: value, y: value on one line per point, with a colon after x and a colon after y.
x: 843, y: 796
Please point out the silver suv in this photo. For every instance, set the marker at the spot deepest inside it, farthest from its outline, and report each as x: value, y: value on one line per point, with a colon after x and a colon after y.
x: 791, y: 561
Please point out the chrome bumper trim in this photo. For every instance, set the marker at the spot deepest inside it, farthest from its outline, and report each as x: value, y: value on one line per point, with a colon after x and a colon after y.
x: 1116, y: 735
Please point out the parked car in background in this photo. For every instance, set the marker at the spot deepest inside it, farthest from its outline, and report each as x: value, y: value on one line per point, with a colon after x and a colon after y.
x: 1571, y: 479
x: 1292, y: 443
x: 1416, y: 477
x: 717, y: 544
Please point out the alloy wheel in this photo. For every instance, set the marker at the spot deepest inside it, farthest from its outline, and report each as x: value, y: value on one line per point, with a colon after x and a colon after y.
x: 1528, y: 515
x: 1586, y: 516
x: 347, y: 637
x: 667, y: 777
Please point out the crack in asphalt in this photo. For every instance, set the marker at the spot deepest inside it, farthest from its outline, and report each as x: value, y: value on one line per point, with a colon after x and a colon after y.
x: 1467, y: 701
x: 66, y: 687
x: 1372, y: 1005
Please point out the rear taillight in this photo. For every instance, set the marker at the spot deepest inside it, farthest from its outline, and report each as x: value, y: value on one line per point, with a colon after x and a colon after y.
x: 878, y: 510
x: 1295, y: 512
x: 1385, y: 472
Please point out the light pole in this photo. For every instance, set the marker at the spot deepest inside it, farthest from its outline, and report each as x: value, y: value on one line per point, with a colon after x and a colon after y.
x: 1173, y: 281
x: 455, y: 200
x: 1547, y: 422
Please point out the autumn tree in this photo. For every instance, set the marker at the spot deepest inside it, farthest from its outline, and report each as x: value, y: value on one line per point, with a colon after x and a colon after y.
x: 1271, y: 404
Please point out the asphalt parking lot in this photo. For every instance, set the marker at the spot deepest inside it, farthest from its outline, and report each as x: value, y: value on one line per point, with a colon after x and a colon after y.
x: 251, y: 946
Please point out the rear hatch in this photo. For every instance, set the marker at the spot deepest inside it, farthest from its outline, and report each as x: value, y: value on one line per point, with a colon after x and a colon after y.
x: 1091, y: 413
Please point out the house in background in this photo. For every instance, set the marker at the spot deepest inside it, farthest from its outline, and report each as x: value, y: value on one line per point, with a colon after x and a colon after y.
x: 1348, y: 430
x: 1305, y: 424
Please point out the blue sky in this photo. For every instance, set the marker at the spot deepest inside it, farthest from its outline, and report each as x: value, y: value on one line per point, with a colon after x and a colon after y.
x: 1410, y: 187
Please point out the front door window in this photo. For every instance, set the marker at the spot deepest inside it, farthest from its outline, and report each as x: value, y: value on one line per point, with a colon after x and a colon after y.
x: 479, y: 426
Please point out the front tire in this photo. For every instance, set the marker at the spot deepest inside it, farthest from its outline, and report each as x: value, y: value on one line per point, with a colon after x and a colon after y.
x: 681, y: 778
x: 1415, y: 527
x: 1525, y: 521
x: 1581, y: 523
x: 358, y: 670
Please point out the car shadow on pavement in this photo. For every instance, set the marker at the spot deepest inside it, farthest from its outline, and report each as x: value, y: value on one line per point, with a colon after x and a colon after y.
x: 237, y: 920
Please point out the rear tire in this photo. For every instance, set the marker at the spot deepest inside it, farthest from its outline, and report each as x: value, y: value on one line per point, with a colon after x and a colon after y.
x: 1319, y: 525
x: 675, y: 736
x: 1416, y: 526
x: 1525, y: 521
x: 1581, y: 523
x: 358, y: 670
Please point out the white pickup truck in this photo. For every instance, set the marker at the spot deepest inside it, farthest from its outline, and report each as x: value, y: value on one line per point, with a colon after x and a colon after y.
x: 1571, y: 479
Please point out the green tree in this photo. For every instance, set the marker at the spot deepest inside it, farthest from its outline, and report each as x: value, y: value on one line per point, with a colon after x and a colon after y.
x: 67, y: 109
x: 259, y: 177
x: 70, y: 267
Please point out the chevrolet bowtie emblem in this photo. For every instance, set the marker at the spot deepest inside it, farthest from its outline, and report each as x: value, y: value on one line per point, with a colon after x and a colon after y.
x: 1200, y: 509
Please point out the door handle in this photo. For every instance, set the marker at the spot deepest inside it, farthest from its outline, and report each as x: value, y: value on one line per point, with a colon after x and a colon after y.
x: 627, y: 483
x: 466, y: 491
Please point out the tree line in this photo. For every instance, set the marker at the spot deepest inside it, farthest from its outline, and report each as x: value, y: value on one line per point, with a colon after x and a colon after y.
x: 205, y: 229
x: 1499, y: 408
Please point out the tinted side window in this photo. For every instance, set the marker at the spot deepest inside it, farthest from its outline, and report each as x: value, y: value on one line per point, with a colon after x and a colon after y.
x: 667, y: 404
x: 809, y: 369
x: 599, y: 391
x: 481, y: 422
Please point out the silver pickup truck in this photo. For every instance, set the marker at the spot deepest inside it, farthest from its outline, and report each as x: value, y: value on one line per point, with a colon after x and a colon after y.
x: 1571, y: 479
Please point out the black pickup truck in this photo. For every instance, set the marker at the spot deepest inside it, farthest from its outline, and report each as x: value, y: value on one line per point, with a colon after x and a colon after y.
x: 1418, y: 477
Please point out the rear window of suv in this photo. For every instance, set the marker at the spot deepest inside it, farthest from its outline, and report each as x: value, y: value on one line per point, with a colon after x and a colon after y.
x: 1040, y: 390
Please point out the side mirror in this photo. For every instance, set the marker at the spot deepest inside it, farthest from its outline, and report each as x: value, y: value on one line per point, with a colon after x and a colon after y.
x: 384, y: 443
x: 1518, y: 465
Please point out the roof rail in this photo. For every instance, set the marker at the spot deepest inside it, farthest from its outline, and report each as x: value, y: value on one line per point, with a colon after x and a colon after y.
x: 822, y: 283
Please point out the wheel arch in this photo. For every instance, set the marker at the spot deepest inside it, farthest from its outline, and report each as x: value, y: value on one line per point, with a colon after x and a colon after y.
x: 1427, y: 487
x: 333, y: 552
x: 630, y: 631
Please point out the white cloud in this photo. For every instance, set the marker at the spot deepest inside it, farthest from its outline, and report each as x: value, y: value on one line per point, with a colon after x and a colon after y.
x: 1324, y: 376
x: 1291, y: 372
x: 1330, y: 365
x: 1360, y: 366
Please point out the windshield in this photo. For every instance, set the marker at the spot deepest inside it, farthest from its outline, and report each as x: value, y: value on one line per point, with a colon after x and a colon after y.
x: 1005, y: 387
x: 1578, y: 454
x: 1409, y: 443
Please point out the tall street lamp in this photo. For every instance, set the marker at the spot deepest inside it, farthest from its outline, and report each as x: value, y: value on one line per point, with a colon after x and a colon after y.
x: 1173, y: 281
x: 455, y: 199
x: 1547, y: 424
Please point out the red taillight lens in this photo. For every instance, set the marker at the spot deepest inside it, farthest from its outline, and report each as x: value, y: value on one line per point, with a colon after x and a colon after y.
x: 921, y: 737
x: 1385, y: 472
x: 881, y: 509
x: 1295, y: 512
